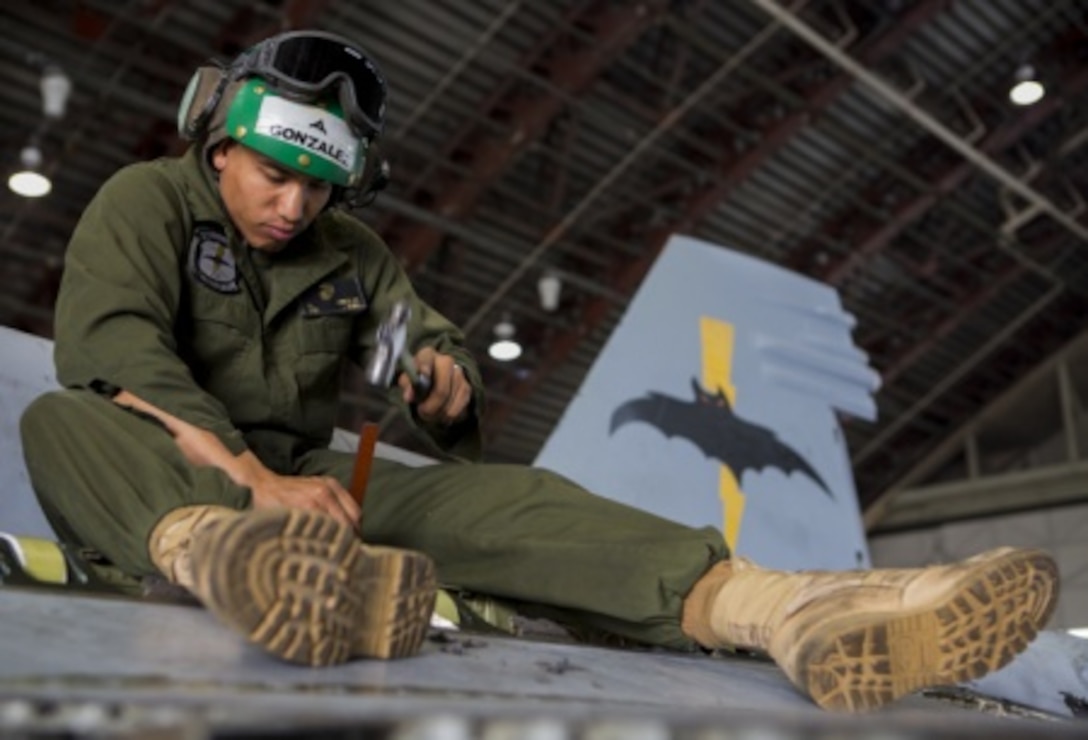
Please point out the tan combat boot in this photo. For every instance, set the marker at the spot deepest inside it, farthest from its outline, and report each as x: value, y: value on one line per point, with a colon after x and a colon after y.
x: 298, y: 583
x: 855, y: 640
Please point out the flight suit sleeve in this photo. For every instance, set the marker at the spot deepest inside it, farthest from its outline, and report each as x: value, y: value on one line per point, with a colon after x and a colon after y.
x: 119, y: 300
x: 385, y: 282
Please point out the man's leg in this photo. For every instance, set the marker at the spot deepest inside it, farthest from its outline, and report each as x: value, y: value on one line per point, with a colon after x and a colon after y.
x: 529, y: 535
x: 295, y: 582
x: 850, y: 640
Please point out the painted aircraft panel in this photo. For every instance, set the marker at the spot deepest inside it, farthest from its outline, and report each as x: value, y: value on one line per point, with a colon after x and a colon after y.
x: 715, y: 402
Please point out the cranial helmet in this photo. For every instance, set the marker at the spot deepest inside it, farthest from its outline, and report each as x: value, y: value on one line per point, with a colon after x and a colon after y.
x: 310, y: 100
x: 311, y: 138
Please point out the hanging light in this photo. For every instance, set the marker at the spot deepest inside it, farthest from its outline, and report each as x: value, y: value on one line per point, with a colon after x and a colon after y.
x: 29, y: 182
x: 55, y: 90
x: 549, y: 287
x: 1026, y: 88
x: 504, y: 347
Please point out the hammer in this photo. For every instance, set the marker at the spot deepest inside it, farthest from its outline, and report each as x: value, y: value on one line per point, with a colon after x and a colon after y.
x: 391, y: 352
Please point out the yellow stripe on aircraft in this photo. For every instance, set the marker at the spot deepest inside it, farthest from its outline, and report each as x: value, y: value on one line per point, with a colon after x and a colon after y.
x: 717, y: 340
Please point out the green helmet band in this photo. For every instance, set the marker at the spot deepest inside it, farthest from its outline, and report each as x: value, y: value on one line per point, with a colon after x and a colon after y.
x: 313, y: 139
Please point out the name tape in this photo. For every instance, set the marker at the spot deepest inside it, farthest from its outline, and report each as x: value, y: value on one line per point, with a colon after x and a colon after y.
x: 311, y: 128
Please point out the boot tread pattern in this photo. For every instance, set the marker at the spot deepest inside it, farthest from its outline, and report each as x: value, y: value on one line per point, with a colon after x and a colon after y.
x: 301, y: 585
x: 994, y: 612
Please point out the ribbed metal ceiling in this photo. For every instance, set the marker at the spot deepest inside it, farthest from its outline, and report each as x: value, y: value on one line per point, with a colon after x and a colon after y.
x: 575, y: 136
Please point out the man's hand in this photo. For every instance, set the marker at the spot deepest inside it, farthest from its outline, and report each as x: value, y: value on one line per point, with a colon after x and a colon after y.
x: 451, y: 394
x: 322, y: 494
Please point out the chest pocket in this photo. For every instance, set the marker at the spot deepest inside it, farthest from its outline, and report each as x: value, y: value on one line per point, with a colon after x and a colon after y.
x: 325, y: 334
x: 224, y: 327
x: 327, y: 314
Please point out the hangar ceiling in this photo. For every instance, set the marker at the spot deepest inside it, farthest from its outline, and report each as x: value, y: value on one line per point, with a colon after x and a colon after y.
x: 575, y: 136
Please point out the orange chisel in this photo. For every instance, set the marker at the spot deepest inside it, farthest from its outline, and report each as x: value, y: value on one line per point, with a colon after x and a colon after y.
x: 364, y: 456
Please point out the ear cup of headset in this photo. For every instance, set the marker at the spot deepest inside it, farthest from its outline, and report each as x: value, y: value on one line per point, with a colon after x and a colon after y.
x: 198, y: 103
x: 376, y: 171
x: 374, y: 178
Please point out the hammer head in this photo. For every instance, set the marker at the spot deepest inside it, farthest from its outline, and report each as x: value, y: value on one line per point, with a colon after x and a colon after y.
x: 389, y: 346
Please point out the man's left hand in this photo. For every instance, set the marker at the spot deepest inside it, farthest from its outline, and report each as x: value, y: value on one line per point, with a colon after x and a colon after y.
x: 450, y: 396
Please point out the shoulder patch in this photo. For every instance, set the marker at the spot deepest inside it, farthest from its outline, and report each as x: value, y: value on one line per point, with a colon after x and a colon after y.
x: 210, y: 260
x: 334, y: 297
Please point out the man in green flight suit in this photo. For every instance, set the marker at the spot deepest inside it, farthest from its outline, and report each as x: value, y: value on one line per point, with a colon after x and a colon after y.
x: 207, y: 305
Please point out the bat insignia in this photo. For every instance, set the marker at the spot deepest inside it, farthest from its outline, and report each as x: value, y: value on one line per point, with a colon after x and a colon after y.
x: 710, y: 424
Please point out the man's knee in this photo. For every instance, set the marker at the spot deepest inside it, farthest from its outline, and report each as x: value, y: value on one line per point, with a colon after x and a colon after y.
x: 67, y: 418
x: 46, y: 414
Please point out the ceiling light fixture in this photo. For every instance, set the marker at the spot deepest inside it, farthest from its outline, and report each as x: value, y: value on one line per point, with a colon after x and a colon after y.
x: 1027, y: 89
x: 55, y: 90
x: 29, y: 182
x: 504, y: 348
x: 549, y: 287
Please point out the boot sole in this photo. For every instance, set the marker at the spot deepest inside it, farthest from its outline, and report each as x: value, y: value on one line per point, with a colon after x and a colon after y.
x: 862, y: 662
x: 303, y: 587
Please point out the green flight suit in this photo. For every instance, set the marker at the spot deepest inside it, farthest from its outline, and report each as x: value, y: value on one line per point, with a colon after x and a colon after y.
x: 161, y: 297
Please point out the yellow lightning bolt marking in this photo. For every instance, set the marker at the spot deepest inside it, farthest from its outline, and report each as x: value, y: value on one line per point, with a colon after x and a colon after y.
x: 717, y: 340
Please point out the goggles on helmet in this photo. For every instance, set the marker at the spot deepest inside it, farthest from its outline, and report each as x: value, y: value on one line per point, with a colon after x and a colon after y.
x: 303, y: 65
